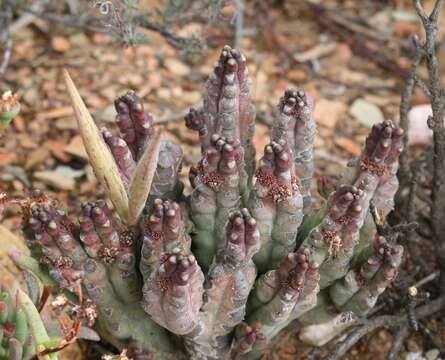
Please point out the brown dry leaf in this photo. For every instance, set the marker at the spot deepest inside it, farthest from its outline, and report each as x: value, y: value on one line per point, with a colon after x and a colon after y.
x: 26, y: 141
x: 343, y: 54
x: 349, y: 76
x: 7, y: 158
x: 88, y: 186
x: 19, y: 123
x: 228, y: 11
x: 60, y: 44
x: 348, y: 145
x: 56, y: 179
x: 66, y: 123
x: 296, y: 75
x: 404, y: 29
x: 95, y: 101
x: 55, y: 113
x: 76, y: 148
x: 9, y: 243
x: 316, y: 52
x: 36, y: 158
x: 57, y: 149
x: 328, y: 112
x: 177, y: 67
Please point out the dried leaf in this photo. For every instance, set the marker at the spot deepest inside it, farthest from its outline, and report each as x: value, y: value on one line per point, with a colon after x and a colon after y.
x: 10, y: 242
x: 316, y: 52
x: 99, y: 154
x: 142, y: 178
x: 60, y: 44
x: 76, y: 148
x: 348, y: 145
x: 328, y: 112
x: 63, y: 177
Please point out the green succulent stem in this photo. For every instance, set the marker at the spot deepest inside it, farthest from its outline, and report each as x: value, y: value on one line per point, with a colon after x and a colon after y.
x: 36, y: 326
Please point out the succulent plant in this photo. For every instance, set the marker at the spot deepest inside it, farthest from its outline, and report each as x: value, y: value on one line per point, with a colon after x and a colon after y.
x: 219, y: 272
x: 23, y: 334
x: 9, y: 108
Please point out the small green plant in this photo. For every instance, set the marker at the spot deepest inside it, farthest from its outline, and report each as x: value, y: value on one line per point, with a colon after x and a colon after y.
x: 9, y: 108
x: 22, y: 332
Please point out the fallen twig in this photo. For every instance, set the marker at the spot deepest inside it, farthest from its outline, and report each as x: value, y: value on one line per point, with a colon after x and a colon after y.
x: 399, y: 338
x: 386, y: 321
x: 426, y: 279
x: 352, y: 26
x: 90, y: 23
x: 176, y: 116
x: 355, y: 37
x: 267, y: 22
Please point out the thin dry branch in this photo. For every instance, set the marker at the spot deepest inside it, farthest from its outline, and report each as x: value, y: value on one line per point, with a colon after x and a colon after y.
x: 79, y: 22
x: 390, y: 232
x: 356, y: 38
x: 397, y: 344
x: 405, y: 105
x: 385, y: 321
x: 436, y: 122
x: 89, y: 23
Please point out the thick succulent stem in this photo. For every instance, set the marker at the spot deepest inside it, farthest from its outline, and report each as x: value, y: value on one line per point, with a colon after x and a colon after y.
x: 135, y: 124
x: 163, y: 231
x: 100, y: 256
x: 227, y: 109
x: 108, y: 243
x: 376, y: 171
x: 122, y: 155
x: 335, y: 240
x: 245, y: 338
x: 283, y: 294
x: 359, y: 289
x: 136, y: 133
x: 294, y: 124
x: 127, y: 167
x: 378, y: 165
x: 227, y: 287
x: 218, y: 183
x: 172, y: 293
x: 355, y: 294
x: 277, y: 205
